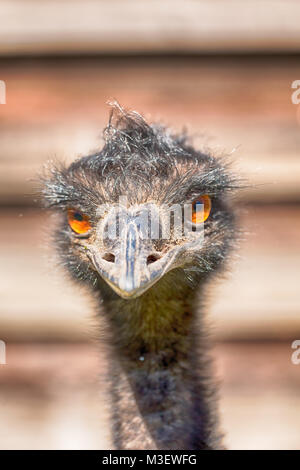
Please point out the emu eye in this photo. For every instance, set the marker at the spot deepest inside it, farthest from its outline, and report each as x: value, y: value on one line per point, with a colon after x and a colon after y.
x: 78, y: 222
x: 201, y: 209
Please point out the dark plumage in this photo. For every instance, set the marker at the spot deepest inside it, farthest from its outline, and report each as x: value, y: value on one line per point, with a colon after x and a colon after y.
x: 150, y: 291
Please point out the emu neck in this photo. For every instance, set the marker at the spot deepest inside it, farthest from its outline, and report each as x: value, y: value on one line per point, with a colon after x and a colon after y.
x: 159, y: 387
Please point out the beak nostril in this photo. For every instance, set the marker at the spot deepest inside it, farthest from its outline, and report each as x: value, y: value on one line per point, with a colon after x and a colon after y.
x: 109, y: 257
x: 152, y: 258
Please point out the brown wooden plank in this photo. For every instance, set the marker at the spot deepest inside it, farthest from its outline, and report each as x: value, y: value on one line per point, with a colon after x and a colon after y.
x: 58, y: 109
x: 70, y: 26
x: 52, y: 396
x: 259, y: 300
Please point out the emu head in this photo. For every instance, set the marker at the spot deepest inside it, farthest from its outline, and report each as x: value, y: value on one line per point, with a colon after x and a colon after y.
x: 145, y: 205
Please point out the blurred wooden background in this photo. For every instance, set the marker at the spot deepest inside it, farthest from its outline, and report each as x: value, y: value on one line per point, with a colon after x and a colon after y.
x: 223, y: 70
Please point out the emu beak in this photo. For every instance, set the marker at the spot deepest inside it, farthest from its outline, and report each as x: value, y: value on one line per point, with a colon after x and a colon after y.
x: 131, y: 266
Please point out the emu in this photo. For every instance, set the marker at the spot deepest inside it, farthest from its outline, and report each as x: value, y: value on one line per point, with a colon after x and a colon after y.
x: 150, y: 291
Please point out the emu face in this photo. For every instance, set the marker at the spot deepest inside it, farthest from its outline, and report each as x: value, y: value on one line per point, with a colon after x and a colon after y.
x: 132, y: 247
x: 146, y: 204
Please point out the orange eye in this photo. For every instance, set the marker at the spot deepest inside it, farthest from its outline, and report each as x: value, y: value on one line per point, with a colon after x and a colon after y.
x: 201, y: 209
x: 78, y: 222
